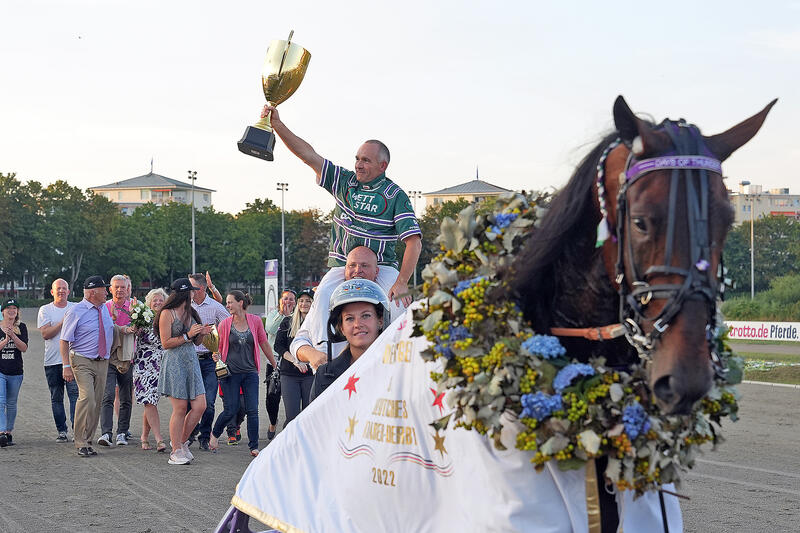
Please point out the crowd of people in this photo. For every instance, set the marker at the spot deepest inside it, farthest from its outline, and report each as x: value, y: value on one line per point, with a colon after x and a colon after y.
x: 94, y: 352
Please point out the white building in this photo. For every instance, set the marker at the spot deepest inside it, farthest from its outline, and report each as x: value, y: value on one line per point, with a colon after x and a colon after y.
x: 131, y: 193
x: 774, y: 202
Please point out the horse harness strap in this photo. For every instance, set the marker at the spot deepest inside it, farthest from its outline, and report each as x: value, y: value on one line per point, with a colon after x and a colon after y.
x: 600, y: 333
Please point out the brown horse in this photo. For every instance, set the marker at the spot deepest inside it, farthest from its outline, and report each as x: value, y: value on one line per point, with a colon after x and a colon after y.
x: 625, y: 264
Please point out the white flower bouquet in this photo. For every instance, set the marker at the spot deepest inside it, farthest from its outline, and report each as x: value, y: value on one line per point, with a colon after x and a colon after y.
x: 141, y: 315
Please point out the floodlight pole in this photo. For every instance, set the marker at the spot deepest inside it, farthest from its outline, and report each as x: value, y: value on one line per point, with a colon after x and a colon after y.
x: 193, y: 176
x: 752, y: 197
x: 283, y: 187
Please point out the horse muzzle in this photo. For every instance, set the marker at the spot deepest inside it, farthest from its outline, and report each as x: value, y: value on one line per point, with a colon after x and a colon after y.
x: 680, y: 376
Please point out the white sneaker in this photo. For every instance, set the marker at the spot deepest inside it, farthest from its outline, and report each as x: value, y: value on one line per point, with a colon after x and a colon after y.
x: 122, y: 440
x: 178, y: 458
x: 104, y: 440
x: 186, y: 452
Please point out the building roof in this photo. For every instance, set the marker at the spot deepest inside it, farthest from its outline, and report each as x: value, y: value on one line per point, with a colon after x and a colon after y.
x: 151, y: 181
x: 475, y: 186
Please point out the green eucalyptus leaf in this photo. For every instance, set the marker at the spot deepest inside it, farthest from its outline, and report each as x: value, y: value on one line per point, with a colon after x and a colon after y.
x: 439, y: 297
x: 554, y: 444
x: 573, y: 463
x: 432, y: 319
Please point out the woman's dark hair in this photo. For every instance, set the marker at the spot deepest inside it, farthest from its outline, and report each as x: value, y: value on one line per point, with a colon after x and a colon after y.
x: 176, y: 300
x: 241, y: 296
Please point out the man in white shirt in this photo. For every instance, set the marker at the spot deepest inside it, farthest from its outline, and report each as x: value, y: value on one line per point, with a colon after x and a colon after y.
x: 211, y: 312
x: 49, y: 323
x: 311, y: 342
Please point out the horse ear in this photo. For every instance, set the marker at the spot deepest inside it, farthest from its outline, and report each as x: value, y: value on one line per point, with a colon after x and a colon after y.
x: 624, y: 119
x: 636, y: 132
x: 724, y: 144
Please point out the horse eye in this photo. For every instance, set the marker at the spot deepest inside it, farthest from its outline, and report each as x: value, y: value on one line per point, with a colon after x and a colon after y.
x: 640, y: 224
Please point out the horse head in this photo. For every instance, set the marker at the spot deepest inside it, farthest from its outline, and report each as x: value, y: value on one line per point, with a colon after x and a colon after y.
x: 657, y: 192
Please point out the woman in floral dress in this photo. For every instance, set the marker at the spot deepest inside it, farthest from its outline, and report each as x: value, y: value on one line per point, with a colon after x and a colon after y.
x: 146, y: 367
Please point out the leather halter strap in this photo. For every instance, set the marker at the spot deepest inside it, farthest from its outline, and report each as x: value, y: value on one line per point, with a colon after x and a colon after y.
x: 600, y: 333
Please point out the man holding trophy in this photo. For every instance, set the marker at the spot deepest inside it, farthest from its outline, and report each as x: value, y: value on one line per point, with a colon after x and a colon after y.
x: 371, y: 210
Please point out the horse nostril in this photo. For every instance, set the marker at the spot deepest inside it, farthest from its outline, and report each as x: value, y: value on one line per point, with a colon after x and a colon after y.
x: 663, y: 390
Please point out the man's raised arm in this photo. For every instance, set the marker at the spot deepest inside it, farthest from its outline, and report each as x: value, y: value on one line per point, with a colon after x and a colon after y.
x: 295, y: 144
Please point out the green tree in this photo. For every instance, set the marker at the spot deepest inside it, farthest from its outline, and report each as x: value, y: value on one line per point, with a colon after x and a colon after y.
x: 256, y: 237
x: 775, y: 252
x: 79, y: 226
x: 306, y: 246
x: 21, y: 241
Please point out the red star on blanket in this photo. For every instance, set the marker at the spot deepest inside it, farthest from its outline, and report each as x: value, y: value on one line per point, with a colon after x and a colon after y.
x: 351, y: 385
x: 437, y: 400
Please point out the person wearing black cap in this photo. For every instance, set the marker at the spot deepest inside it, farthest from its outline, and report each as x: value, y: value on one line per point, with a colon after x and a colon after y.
x: 180, y: 329
x: 86, y: 336
x: 296, y: 376
x: 13, y: 342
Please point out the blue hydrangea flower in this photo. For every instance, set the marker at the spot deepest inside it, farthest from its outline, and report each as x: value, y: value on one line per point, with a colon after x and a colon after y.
x: 636, y: 421
x: 458, y: 333
x: 502, y: 221
x: 570, y: 372
x: 464, y: 285
x: 445, y: 350
x: 544, y: 345
x: 540, y: 405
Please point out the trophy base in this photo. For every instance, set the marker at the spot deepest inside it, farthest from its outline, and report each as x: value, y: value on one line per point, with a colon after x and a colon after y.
x: 257, y: 142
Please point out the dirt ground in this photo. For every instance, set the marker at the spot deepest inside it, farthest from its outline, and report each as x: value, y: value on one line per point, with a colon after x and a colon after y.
x: 751, y: 483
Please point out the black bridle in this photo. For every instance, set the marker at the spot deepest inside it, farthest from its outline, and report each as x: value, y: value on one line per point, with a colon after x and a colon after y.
x: 690, y: 162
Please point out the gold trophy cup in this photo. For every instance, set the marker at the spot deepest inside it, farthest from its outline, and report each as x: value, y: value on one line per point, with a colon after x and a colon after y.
x: 211, y: 342
x: 284, y: 69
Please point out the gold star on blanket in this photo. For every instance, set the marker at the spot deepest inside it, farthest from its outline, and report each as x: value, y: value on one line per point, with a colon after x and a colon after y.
x: 439, y: 443
x: 351, y: 429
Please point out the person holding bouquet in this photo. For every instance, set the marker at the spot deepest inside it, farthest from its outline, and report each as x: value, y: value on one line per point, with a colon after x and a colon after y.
x: 147, y: 365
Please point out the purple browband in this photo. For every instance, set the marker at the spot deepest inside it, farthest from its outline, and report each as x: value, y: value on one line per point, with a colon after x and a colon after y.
x: 674, y: 161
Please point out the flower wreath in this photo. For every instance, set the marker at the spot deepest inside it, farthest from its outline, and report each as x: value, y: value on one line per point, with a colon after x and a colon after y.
x: 570, y: 412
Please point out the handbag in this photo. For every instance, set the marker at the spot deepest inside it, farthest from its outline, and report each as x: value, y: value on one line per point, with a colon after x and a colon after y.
x: 274, y: 380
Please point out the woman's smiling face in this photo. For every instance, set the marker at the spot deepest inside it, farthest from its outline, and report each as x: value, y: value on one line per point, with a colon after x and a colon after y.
x: 360, y: 324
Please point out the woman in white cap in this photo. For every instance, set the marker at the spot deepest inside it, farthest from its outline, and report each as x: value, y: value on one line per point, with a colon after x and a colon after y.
x: 358, y: 309
x: 13, y: 342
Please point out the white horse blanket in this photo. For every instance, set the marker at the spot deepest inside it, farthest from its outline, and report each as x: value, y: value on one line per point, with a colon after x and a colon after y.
x: 363, y: 458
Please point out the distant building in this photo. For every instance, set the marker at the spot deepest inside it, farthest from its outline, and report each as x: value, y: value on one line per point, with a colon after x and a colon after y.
x: 775, y: 202
x: 472, y: 191
x: 131, y: 193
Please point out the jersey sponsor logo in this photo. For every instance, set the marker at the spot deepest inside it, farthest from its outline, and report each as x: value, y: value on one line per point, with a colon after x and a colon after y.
x: 367, y: 203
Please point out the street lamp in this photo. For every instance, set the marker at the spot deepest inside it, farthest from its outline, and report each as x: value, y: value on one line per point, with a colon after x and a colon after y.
x: 414, y: 196
x: 752, y: 198
x: 283, y: 187
x: 193, y: 176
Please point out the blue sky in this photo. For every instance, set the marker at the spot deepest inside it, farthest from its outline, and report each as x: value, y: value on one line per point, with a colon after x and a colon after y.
x: 93, y: 89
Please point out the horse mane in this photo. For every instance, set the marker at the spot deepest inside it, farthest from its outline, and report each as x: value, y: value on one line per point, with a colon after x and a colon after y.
x: 563, y: 230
